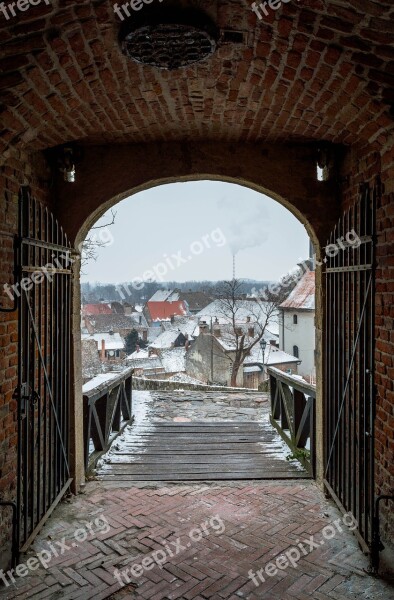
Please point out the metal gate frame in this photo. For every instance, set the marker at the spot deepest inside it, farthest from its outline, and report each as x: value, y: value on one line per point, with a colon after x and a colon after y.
x: 44, y: 291
x: 349, y: 367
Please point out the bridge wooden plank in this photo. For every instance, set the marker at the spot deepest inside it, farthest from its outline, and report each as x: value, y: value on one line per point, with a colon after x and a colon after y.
x: 200, y: 451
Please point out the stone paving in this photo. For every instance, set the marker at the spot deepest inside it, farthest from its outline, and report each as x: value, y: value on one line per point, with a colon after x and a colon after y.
x: 216, y: 541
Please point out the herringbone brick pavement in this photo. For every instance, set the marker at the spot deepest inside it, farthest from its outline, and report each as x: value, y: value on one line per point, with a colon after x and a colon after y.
x: 209, y: 538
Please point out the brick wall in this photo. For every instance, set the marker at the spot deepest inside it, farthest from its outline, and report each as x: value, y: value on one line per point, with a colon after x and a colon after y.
x: 18, y: 170
x: 385, y: 343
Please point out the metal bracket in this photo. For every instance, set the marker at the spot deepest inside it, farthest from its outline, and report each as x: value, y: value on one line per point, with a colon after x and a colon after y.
x: 22, y: 395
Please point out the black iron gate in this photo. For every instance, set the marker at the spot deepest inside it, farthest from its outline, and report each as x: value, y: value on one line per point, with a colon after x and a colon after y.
x: 349, y: 363
x: 44, y: 302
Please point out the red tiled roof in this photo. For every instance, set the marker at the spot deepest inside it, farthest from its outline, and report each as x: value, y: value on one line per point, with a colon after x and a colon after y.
x: 96, y: 309
x: 303, y: 295
x: 162, y: 311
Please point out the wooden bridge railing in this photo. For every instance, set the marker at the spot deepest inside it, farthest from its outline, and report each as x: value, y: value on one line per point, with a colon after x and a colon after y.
x: 293, y: 415
x: 107, y: 408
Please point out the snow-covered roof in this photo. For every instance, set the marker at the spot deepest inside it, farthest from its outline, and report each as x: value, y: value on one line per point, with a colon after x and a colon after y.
x: 185, y: 325
x: 255, y: 369
x: 174, y: 361
x: 153, y: 333
x: 113, y: 341
x: 272, y: 356
x: 151, y: 363
x: 166, y: 339
x: 246, y: 312
x: 303, y: 295
x: 139, y: 319
x: 107, y: 323
x: 164, y: 296
x: 142, y: 353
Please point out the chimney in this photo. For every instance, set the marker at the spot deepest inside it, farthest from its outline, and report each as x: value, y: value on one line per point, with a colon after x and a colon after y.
x: 216, y: 332
x: 102, y: 349
x: 172, y: 318
x: 251, y: 331
x: 248, y: 319
x: 137, y: 348
x: 203, y: 327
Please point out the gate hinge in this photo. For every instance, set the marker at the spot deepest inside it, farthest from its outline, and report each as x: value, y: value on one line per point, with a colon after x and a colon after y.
x: 22, y: 395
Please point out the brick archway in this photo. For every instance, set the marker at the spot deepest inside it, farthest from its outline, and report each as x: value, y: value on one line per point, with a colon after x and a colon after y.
x: 262, y: 169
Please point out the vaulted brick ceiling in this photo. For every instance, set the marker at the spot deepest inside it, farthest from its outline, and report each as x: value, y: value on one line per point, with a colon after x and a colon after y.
x: 313, y: 69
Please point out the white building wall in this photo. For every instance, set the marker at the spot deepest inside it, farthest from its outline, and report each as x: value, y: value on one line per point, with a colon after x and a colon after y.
x: 302, y: 335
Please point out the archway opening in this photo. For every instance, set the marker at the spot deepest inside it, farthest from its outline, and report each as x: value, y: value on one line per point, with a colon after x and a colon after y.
x: 209, y: 265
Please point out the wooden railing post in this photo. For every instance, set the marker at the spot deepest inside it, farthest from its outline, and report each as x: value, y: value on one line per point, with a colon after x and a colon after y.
x: 104, y: 405
x: 293, y: 414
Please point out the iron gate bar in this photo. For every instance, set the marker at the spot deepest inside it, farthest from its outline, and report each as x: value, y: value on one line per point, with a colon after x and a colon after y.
x: 41, y: 524
x: 347, y: 380
x: 349, y: 269
x: 44, y: 384
x: 349, y: 366
x: 48, y: 384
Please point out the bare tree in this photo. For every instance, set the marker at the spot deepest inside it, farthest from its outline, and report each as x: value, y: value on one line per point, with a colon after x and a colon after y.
x: 233, y: 307
x: 94, y: 241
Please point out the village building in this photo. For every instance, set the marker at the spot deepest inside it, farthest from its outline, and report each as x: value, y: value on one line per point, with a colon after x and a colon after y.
x: 169, y: 339
x: 163, y: 305
x: 110, y: 346
x: 297, y: 325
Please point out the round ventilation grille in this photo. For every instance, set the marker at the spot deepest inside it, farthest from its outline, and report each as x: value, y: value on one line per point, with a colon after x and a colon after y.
x: 169, y: 45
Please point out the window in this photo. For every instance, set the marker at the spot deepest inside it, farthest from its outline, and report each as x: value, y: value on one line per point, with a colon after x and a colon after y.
x: 296, y: 351
x: 295, y: 319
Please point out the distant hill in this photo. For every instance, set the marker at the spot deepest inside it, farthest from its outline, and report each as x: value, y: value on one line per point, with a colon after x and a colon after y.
x: 109, y: 292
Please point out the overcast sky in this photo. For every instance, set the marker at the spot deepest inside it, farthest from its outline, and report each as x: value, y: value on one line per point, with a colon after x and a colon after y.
x: 192, y: 231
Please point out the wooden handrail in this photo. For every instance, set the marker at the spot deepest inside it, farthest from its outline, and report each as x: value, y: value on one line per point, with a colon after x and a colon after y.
x: 104, y: 405
x: 293, y: 414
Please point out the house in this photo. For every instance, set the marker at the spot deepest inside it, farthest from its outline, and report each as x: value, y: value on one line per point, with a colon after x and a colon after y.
x: 169, y: 339
x: 146, y: 364
x: 186, y: 325
x: 195, y: 301
x: 211, y: 356
x: 99, y: 308
x: 110, y: 346
x: 210, y: 359
x: 91, y: 363
x: 297, y: 324
x: 255, y: 365
x: 174, y: 361
x: 117, y: 323
x: 249, y: 314
x: 163, y: 305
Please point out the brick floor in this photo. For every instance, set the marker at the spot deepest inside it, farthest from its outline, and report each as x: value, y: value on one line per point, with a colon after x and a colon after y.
x: 261, y: 520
